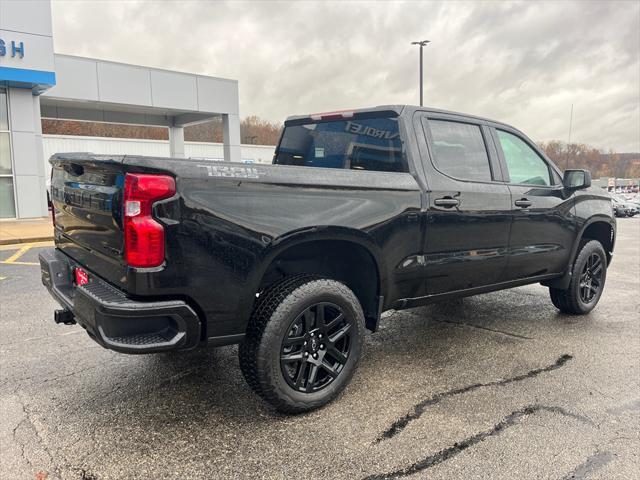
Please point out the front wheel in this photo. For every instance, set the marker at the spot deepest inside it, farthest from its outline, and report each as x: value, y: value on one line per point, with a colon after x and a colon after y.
x: 589, y: 273
x: 303, y: 343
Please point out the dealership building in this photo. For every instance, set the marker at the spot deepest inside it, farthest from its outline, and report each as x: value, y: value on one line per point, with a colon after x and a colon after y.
x: 37, y: 83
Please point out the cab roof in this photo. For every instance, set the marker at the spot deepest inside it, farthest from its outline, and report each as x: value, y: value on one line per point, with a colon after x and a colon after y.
x: 386, y: 110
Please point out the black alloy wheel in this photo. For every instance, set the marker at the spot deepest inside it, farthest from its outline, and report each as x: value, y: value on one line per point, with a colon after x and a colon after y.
x: 586, y: 284
x: 316, y: 348
x: 303, y: 342
x: 591, y: 278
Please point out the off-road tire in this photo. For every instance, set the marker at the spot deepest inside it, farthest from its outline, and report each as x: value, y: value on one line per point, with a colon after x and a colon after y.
x: 569, y: 300
x: 276, y: 308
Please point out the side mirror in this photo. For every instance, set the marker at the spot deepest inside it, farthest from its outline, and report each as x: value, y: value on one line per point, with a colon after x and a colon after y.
x: 576, y: 179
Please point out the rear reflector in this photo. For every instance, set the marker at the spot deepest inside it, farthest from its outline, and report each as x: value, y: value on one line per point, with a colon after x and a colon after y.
x: 81, y: 276
x: 143, y: 235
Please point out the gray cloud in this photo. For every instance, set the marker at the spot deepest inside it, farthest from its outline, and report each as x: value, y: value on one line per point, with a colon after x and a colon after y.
x: 523, y: 63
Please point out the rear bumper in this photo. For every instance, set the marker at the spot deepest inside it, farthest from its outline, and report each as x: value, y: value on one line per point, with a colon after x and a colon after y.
x: 112, y: 319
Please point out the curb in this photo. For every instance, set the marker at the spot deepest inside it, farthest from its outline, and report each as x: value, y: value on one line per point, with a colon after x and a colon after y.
x: 16, y: 241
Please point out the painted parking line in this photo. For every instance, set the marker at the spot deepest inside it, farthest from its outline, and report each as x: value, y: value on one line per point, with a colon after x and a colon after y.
x: 13, y: 259
x: 18, y: 263
x: 16, y: 246
x: 19, y: 253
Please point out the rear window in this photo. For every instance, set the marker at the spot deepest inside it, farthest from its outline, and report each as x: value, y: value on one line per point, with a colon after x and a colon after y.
x: 459, y: 150
x: 362, y: 144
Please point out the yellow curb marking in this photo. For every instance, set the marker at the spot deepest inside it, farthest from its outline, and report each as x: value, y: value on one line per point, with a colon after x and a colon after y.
x: 3, y: 278
x: 19, y: 253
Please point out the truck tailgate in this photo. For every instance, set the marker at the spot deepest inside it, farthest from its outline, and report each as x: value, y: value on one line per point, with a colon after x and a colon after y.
x: 86, y: 192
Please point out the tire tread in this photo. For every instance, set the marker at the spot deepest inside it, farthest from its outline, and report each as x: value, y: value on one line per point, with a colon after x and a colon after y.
x: 252, y: 356
x: 567, y: 300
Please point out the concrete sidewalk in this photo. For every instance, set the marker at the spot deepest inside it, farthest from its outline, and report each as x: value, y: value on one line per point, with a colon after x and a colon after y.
x: 26, y: 231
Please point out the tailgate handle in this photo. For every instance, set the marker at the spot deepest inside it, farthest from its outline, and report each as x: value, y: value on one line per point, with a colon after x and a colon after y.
x: 523, y: 203
x: 446, y: 202
x: 74, y: 169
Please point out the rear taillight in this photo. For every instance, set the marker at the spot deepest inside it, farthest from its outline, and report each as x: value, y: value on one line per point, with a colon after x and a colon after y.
x: 144, y: 236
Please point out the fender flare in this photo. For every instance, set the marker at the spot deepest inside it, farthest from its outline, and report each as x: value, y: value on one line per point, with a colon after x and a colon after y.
x: 306, y: 235
x: 562, y: 282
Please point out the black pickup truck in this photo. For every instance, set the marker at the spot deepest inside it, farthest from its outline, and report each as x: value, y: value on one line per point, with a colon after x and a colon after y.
x: 361, y: 212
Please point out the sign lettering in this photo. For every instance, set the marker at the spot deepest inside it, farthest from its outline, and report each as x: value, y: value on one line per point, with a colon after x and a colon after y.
x: 13, y: 48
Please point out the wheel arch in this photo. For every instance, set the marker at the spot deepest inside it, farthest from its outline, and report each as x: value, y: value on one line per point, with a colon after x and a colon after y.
x: 343, y: 254
x: 603, y: 231
x: 598, y: 227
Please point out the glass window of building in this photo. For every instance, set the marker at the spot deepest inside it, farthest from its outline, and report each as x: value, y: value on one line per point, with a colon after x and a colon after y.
x: 7, y: 200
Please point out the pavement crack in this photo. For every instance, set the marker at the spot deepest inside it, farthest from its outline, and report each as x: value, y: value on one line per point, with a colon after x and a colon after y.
x: 418, y: 409
x: 502, y: 332
x: 28, y: 423
x: 443, y: 455
x: 567, y: 413
x: 591, y: 464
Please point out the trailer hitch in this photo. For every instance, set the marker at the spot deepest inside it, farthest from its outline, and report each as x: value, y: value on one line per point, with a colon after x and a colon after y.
x: 64, y: 316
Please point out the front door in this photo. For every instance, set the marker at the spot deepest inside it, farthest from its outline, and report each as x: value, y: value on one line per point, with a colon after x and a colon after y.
x: 469, y: 207
x: 543, y: 226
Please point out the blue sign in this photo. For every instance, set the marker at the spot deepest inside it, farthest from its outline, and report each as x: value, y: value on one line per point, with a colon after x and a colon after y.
x: 11, y: 48
x: 37, y: 80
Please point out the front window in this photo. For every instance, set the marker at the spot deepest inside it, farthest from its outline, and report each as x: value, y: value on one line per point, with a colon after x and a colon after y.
x: 7, y: 201
x: 359, y: 144
x: 524, y: 164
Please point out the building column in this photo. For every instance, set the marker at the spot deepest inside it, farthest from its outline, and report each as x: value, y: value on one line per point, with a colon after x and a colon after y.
x: 176, y: 142
x: 231, y: 137
x: 28, y: 162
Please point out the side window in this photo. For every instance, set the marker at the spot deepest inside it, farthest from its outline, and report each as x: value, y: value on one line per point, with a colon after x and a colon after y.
x: 459, y: 150
x: 524, y: 164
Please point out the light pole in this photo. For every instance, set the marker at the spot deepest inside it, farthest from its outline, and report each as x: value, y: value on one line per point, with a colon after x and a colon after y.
x: 422, y: 44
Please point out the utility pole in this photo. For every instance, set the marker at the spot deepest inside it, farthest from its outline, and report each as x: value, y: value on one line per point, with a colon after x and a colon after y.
x: 422, y: 43
x: 566, y: 166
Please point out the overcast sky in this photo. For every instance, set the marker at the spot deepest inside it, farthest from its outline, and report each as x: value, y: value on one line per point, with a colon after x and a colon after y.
x: 521, y: 63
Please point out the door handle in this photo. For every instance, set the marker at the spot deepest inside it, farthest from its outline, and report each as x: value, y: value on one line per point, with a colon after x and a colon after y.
x: 446, y: 202
x: 523, y: 203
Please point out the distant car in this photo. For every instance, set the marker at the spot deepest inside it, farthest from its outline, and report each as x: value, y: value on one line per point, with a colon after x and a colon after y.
x: 622, y: 207
x: 635, y: 203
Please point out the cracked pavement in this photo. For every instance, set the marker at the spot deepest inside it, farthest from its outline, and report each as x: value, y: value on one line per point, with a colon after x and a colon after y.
x: 494, y: 386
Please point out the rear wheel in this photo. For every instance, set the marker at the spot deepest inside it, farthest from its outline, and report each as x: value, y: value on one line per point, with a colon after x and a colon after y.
x: 303, y: 343
x: 587, y: 281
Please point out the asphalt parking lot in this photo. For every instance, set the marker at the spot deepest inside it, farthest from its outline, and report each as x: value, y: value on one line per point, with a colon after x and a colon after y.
x: 494, y: 386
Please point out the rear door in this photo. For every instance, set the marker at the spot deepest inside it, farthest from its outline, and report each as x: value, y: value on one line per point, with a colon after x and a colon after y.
x: 467, y: 232
x: 543, y: 226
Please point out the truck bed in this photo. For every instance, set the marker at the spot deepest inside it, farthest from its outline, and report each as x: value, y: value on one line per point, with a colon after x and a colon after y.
x: 224, y: 222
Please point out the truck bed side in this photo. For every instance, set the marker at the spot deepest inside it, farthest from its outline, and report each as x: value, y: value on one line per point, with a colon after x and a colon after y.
x: 228, y: 222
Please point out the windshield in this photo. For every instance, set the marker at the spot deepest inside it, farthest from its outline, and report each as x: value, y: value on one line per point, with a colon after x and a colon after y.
x: 362, y: 144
